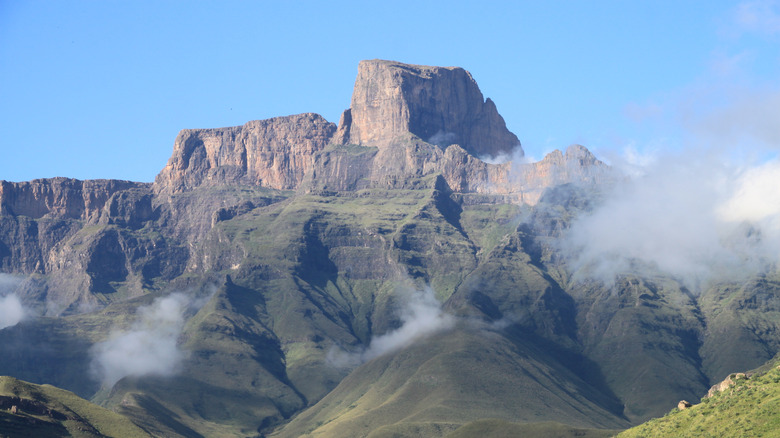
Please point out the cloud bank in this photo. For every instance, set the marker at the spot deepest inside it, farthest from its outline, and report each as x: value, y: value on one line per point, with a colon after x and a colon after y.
x: 420, y: 316
x: 149, y: 347
x: 694, y: 217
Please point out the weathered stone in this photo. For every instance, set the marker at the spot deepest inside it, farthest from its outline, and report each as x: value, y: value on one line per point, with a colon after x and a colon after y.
x: 273, y: 153
x: 60, y: 197
x: 684, y: 405
x: 440, y: 105
x: 728, y: 382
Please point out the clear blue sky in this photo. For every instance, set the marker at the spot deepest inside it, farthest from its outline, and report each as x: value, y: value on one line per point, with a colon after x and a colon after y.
x: 99, y: 89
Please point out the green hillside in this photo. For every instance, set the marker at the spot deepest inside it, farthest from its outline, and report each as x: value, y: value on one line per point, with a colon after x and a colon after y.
x: 45, y: 411
x: 749, y: 408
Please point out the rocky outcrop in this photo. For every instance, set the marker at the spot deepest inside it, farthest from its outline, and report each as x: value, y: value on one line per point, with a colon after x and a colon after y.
x: 401, y: 165
x: 273, y: 153
x: 405, y: 122
x: 60, y: 197
x: 727, y: 383
x: 440, y: 105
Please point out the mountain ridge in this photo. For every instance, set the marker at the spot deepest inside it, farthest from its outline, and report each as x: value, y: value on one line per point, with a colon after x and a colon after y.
x: 268, y: 248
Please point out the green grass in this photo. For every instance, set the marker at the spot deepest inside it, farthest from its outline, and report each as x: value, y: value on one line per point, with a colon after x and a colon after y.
x: 493, y: 428
x: 73, y: 416
x: 747, y: 409
x: 447, y: 380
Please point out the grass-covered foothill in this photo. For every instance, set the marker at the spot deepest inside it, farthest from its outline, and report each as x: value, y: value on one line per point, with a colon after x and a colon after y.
x: 494, y: 428
x: 46, y: 411
x: 749, y: 408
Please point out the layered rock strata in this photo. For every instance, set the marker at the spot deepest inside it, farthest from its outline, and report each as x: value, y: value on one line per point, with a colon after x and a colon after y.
x: 61, y: 197
x: 440, y: 105
x: 273, y: 153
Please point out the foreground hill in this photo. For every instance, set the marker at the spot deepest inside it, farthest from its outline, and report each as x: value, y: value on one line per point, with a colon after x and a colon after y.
x: 291, y: 277
x: 746, y: 406
x: 45, y: 411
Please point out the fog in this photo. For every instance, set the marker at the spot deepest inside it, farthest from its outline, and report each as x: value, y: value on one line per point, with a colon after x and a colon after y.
x: 698, y: 217
x: 11, y: 309
x: 149, y: 347
x: 421, y: 315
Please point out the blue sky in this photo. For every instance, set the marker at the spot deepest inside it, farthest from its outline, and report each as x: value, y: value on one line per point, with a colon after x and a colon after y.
x: 99, y: 89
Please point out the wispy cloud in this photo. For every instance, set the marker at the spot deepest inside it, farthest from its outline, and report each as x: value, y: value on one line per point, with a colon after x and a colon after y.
x: 421, y: 315
x: 11, y: 309
x: 762, y: 16
x: 149, y: 347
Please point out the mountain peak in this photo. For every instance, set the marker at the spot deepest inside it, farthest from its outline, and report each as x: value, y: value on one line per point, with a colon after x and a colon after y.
x: 441, y: 105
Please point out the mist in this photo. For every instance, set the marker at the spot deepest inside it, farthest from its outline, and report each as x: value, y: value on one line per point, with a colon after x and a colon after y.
x: 697, y: 217
x: 11, y: 309
x: 149, y: 347
x: 421, y: 315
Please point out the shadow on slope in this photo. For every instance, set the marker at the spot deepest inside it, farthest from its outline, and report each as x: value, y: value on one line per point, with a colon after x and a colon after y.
x: 450, y: 379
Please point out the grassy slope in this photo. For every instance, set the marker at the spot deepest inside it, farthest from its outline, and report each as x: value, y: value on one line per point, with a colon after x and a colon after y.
x: 442, y: 382
x: 747, y: 409
x: 79, y: 418
x: 320, y: 269
x: 494, y: 428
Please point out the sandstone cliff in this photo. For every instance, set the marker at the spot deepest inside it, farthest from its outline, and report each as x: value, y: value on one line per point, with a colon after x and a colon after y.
x: 441, y: 105
x: 273, y: 153
x: 60, y: 197
x: 406, y: 121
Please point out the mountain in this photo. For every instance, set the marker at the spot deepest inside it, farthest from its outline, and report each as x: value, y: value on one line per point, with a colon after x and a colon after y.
x: 379, y: 277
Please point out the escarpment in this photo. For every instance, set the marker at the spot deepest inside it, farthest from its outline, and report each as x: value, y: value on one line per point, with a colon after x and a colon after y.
x: 61, y: 197
x: 273, y: 153
x: 440, y: 105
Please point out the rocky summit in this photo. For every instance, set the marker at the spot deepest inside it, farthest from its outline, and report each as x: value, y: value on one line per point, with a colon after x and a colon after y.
x: 386, y: 276
x: 441, y: 105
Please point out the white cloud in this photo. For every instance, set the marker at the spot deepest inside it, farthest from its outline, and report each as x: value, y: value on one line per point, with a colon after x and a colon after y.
x: 692, y: 217
x: 420, y: 316
x: 11, y: 311
x: 148, y: 348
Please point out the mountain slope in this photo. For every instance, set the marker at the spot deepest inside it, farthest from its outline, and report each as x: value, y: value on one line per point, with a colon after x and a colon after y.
x: 291, y: 276
x: 746, y: 408
x: 27, y: 409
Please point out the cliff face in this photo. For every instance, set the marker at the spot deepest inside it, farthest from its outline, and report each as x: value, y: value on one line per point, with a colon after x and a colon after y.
x: 440, y: 105
x: 273, y: 153
x: 410, y: 120
x: 60, y: 197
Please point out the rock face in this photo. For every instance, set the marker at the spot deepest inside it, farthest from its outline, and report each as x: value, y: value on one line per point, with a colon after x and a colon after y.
x: 274, y: 153
x: 61, y: 197
x: 441, y: 105
x: 727, y: 383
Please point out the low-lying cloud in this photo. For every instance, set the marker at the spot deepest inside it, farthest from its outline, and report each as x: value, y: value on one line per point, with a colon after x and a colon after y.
x: 421, y: 315
x: 149, y: 347
x: 11, y: 309
x: 442, y: 138
x: 695, y: 218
